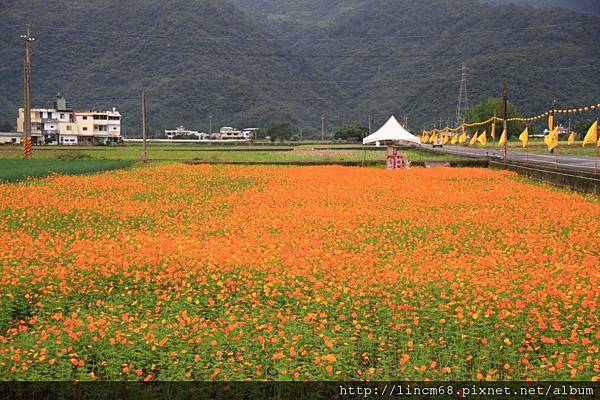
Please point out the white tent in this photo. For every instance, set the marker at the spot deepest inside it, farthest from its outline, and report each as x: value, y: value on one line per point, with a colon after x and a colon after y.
x: 392, y: 131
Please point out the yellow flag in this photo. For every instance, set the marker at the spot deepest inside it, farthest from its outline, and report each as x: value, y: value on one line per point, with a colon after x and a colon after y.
x: 483, y: 138
x: 433, y: 137
x: 493, y: 133
x: 474, y: 138
x: 454, y: 139
x: 445, y: 139
x: 463, y: 137
x: 503, y: 138
x: 425, y: 138
x: 592, y: 136
x: 525, y: 137
x: 571, y: 138
x: 551, y: 122
x: 551, y: 139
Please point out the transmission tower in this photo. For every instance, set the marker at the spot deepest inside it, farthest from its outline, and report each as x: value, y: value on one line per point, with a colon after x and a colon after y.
x: 463, y: 97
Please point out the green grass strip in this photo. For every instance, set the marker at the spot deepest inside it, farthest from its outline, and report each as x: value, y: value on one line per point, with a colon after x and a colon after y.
x: 14, y: 170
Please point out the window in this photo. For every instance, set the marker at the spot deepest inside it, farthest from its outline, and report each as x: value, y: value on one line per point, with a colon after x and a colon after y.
x: 85, y: 117
x: 62, y: 116
x: 85, y: 128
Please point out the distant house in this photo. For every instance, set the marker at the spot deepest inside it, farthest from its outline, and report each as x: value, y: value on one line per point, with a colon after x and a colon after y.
x: 63, y: 125
x: 10, y: 138
x: 250, y: 133
x: 181, y: 133
x: 228, y: 133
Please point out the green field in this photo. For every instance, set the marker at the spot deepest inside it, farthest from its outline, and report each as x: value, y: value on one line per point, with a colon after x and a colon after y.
x: 12, y: 170
x: 71, y: 160
x: 177, y: 152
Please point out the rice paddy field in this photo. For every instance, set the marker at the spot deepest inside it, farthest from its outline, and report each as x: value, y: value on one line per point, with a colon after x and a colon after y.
x: 13, y: 170
x: 179, y: 272
x: 217, y: 153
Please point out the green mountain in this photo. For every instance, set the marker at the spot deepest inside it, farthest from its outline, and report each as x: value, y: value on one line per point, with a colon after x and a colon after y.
x: 193, y: 59
x: 584, y: 6
x: 292, y: 18
x: 404, y: 57
x: 247, y: 62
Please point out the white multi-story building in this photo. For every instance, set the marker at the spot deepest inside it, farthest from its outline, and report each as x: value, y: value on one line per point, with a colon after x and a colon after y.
x: 63, y: 125
x: 250, y: 133
x: 183, y: 133
x: 228, y: 133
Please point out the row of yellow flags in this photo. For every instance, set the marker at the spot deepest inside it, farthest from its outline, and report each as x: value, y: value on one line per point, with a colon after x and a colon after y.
x: 551, y: 140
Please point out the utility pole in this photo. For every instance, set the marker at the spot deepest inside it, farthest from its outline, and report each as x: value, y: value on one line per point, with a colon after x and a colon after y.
x: 210, y: 125
x: 144, y: 157
x: 369, y: 124
x: 505, y: 115
x: 322, y: 128
x: 26, y: 138
x: 157, y: 135
x: 553, y: 114
x: 463, y: 98
x: 405, y: 122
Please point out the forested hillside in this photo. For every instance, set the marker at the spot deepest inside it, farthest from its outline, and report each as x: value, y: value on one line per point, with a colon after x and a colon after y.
x: 247, y: 62
x: 404, y: 57
x: 193, y: 58
x: 584, y: 6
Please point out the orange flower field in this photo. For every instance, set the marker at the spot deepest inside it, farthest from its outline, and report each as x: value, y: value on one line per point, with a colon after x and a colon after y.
x: 176, y: 272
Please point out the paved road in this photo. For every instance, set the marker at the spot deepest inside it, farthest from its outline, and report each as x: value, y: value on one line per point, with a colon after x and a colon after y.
x: 588, y: 164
